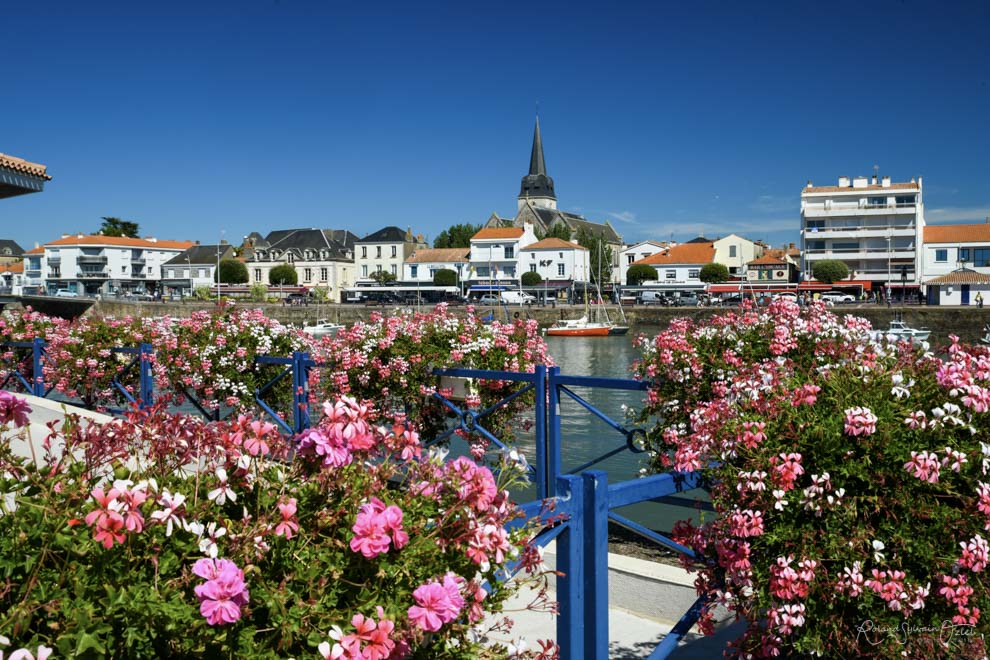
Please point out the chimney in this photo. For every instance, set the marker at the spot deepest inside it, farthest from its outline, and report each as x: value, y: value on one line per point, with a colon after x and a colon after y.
x: 843, y: 182
x: 151, y: 239
x: 66, y: 235
x: 80, y: 235
x: 791, y: 246
x: 810, y: 185
x: 873, y: 181
x: 223, y: 241
x: 859, y: 182
x: 885, y: 182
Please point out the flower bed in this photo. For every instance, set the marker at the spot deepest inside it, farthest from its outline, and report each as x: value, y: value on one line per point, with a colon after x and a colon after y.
x: 849, y: 480
x: 165, y: 536
x: 392, y: 359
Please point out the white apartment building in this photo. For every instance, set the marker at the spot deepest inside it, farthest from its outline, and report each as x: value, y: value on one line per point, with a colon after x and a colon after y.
x: 495, y: 254
x: 423, y: 264
x: 386, y: 250
x: 106, y: 265
x: 632, y: 253
x: 872, y: 225
x: 558, y: 262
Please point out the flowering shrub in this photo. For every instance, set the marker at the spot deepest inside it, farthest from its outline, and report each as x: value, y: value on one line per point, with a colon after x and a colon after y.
x: 211, y: 357
x: 166, y: 536
x: 394, y: 357
x: 22, y: 326
x: 849, y: 480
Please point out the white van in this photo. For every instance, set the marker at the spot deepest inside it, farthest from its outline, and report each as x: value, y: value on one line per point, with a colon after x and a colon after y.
x: 517, y: 298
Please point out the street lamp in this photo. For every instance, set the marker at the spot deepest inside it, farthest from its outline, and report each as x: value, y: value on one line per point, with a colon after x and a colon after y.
x: 888, y: 267
x: 222, y: 233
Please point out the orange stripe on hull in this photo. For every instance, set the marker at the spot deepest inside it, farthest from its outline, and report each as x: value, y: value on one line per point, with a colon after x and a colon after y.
x: 578, y: 332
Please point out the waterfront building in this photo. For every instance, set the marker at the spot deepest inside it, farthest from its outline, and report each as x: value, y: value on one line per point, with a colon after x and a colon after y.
x: 193, y: 268
x: 734, y: 252
x: 106, y: 265
x: 321, y: 257
x: 423, y: 264
x: 21, y: 177
x: 536, y: 205
x: 679, y: 267
x: 872, y: 225
x: 495, y: 256
x: 385, y: 251
x: 12, y: 278
x: 34, y: 276
x: 776, y: 266
x: 629, y: 254
x: 559, y: 263
x: 956, y: 263
x: 10, y: 251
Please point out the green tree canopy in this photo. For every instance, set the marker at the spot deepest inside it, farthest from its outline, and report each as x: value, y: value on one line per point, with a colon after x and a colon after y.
x: 117, y: 227
x: 232, y: 271
x: 830, y: 271
x: 282, y: 275
x: 599, y: 256
x: 445, y: 277
x: 531, y: 278
x: 639, y: 273
x: 714, y: 273
x: 456, y: 236
x: 383, y: 277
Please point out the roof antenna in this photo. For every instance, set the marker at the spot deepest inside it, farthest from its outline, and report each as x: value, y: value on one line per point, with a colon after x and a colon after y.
x: 876, y: 171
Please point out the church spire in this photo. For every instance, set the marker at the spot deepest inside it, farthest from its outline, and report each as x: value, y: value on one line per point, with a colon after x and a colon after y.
x: 536, y: 186
x: 536, y: 163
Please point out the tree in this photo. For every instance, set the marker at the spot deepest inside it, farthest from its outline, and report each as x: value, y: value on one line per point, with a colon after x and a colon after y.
x: 383, y: 277
x: 713, y: 273
x: 232, y: 271
x: 531, y: 278
x: 557, y: 230
x: 599, y: 256
x: 282, y: 275
x: 639, y: 273
x: 445, y: 277
x: 258, y: 292
x: 830, y: 271
x: 456, y: 236
x: 117, y: 227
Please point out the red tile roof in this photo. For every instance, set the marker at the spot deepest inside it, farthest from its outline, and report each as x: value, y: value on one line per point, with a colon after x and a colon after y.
x: 499, y: 232
x: 554, y: 244
x: 37, y: 250
x: 957, y: 233
x: 122, y: 241
x: 893, y: 186
x: 23, y: 166
x: 767, y: 259
x: 964, y: 276
x: 17, y: 267
x: 686, y: 253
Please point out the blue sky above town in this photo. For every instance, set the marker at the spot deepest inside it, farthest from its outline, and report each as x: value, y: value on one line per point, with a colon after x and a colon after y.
x: 198, y: 120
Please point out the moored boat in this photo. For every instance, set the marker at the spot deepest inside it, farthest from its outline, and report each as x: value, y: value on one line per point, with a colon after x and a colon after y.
x: 323, y: 328
x: 581, y: 327
x: 899, y: 331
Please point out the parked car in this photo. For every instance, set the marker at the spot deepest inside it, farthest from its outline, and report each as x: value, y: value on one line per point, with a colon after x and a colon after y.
x: 688, y: 300
x: 296, y: 299
x: 490, y: 299
x: 787, y: 295
x: 838, y: 297
x: 65, y: 293
x: 653, y: 298
x: 517, y: 298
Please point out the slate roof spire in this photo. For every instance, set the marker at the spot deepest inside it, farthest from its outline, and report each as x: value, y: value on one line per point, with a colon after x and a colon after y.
x: 537, y: 186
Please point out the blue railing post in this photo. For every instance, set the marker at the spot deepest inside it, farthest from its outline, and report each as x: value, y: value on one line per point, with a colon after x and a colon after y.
x: 300, y: 392
x: 594, y: 509
x: 570, y: 583
x: 543, y: 485
x: 147, y: 376
x: 37, y: 373
x: 553, y: 429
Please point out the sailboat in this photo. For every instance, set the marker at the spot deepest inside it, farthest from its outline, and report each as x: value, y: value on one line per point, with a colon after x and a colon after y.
x: 583, y: 327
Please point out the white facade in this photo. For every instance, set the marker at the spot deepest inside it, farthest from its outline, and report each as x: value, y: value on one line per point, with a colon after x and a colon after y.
x: 333, y: 275
x: 386, y: 250
x: 735, y: 252
x: 681, y: 277
x: 556, y: 260
x: 873, y: 226
x: 423, y: 264
x: 633, y: 253
x: 91, y: 265
x: 495, y: 253
x: 950, y: 247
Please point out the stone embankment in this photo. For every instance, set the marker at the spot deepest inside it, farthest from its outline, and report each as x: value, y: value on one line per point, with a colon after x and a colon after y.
x: 966, y: 322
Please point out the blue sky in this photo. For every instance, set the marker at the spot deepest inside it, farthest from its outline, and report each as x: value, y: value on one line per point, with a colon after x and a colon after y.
x: 669, y: 119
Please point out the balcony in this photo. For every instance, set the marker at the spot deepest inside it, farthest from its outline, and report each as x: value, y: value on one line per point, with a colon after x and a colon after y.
x: 92, y: 275
x: 54, y: 261
x: 819, y: 210
x: 138, y: 276
x: 138, y: 261
x: 91, y: 259
x: 862, y: 231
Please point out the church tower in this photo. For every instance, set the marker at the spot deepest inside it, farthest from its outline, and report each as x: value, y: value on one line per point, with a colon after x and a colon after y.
x: 537, y: 187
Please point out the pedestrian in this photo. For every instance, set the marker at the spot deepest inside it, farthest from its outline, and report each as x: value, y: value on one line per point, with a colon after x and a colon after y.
x: 979, y: 300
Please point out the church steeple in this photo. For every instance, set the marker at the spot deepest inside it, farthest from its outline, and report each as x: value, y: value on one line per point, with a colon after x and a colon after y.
x: 536, y: 186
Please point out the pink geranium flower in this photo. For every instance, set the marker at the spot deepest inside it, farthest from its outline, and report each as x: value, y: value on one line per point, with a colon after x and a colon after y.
x: 223, y: 594
x: 13, y: 409
x: 288, y: 526
x: 436, y: 604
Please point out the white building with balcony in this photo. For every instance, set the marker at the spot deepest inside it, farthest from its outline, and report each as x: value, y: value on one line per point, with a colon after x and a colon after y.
x: 106, y: 265
x: 872, y: 225
x: 495, y: 255
x: 559, y: 263
x: 956, y: 263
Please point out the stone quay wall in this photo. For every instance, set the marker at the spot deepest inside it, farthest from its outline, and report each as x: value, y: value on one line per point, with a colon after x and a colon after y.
x: 966, y: 322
